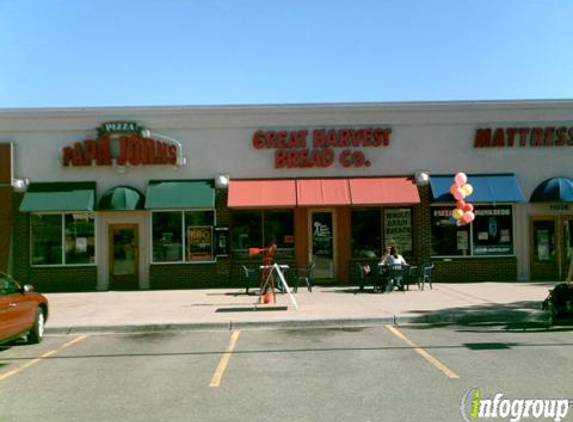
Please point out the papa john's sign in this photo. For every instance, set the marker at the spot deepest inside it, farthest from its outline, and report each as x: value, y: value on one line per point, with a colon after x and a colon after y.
x: 322, y: 147
x: 123, y: 144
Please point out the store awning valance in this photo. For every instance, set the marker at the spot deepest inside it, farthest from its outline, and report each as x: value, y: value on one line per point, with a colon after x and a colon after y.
x: 59, y: 197
x: 316, y: 192
x: 487, y: 188
x: 121, y: 198
x: 261, y: 193
x: 180, y: 194
x: 383, y: 190
x: 557, y: 189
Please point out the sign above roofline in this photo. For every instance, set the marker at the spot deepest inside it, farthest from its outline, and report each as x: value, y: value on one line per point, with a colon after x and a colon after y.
x: 123, y: 143
x: 551, y: 136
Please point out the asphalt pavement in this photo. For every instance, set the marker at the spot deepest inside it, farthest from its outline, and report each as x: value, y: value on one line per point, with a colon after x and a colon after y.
x: 229, y: 308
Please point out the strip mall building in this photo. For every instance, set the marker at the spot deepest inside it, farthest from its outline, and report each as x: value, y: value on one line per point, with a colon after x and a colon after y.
x: 173, y: 197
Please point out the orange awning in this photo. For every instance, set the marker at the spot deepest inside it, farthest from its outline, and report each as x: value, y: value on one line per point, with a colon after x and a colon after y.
x: 315, y: 192
x: 383, y: 190
x: 262, y: 193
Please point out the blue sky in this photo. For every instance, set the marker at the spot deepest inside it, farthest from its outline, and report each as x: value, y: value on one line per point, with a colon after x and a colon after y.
x: 82, y: 53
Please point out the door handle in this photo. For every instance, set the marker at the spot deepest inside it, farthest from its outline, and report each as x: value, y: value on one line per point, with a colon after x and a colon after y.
x: 13, y: 305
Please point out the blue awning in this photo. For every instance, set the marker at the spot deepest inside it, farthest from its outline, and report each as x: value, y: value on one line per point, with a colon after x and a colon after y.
x: 488, y: 188
x: 557, y: 189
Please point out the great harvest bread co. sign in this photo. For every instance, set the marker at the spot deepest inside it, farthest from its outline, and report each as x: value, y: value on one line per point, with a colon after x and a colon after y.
x: 322, y: 147
x: 123, y: 144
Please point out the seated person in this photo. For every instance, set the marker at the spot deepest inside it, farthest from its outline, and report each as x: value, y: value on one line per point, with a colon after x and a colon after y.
x: 392, y: 257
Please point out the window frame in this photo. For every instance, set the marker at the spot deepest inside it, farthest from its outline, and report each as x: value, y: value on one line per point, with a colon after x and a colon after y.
x: 384, y: 239
x: 184, y: 243
x: 472, y: 246
x: 284, y: 253
x: 63, y: 263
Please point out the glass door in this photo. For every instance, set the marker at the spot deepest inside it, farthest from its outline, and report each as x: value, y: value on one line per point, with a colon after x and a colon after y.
x: 551, y: 247
x: 123, y: 257
x: 322, y: 244
x: 544, y: 260
x: 566, y: 245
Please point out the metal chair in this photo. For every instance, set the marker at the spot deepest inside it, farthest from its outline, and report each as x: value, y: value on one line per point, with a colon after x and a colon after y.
x: 396, y: 276
x: 363, y: 275
x: 250, y: 274
x: 426, y: 268
x: 411, y: 275
x: 305, y: 274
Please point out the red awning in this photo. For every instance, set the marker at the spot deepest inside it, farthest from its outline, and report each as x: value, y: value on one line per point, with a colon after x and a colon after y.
x: 262, y: 193
x: 383, y: 190
x: 315, y: 192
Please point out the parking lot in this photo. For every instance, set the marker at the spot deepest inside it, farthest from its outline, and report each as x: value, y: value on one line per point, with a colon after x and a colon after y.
x: 371, y: 374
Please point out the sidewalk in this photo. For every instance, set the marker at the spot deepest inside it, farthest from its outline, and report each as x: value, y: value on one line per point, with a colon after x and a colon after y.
x: 463, y: 303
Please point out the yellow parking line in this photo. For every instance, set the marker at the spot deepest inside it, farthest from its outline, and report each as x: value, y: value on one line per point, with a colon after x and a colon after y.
x: 447, y: 371
x: 218, y: 375
x: 44, y: 356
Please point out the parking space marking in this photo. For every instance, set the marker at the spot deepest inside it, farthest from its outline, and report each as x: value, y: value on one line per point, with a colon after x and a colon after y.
x: 439, y: 365
x: 44, y: 356
x: 218, y: 375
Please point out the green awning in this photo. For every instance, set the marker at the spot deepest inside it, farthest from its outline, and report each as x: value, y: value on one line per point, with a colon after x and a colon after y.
x: 121, y: 198
x: 180, y: 194
x: 59, y: 197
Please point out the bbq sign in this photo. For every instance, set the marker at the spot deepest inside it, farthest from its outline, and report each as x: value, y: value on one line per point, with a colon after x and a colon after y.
x: 123, y: 144
x: 321, y: 148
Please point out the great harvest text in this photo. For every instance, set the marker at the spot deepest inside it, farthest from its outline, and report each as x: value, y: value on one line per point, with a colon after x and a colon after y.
x: 294, y: 149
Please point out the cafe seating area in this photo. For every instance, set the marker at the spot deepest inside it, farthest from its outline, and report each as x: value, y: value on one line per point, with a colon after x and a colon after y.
x: 386, y: 278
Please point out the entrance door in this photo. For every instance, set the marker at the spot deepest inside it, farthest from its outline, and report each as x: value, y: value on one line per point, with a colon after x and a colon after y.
x: 322, y: 246
x: 123, y: 257
x: 551, y: 247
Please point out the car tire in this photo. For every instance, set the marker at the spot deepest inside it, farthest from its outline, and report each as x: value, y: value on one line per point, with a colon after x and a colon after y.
x: 36, y: 333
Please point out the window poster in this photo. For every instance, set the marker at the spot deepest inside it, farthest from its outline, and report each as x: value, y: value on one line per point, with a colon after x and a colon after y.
x: 199, y: 243
x: 398, y: 228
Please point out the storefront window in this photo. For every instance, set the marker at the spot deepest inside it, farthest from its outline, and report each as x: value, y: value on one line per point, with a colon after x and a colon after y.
x: 52, y: 234
x: 490, y: 234
x: 183, y: 236
x: 493, y: 231
x: 368, y: 237
x: 80, y: 238
x: 256, y: 229
x: 366, y: 230
x: 46, y: 239
x: 167, y: 236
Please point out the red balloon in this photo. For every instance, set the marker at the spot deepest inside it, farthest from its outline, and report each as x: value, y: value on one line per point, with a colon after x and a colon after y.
x: 468, y: 207
x: 461, y: 204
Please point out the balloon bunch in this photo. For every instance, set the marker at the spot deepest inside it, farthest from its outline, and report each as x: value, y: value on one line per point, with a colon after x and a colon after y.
x: 460, y: 190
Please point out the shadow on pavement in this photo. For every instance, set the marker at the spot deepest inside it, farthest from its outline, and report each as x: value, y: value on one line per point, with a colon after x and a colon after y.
x: 521, y: 315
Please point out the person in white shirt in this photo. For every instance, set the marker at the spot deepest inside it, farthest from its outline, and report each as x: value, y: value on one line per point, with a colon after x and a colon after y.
x: 392, y: 257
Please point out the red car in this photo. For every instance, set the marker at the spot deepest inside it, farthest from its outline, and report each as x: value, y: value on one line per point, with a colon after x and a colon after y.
x: 22, y: 311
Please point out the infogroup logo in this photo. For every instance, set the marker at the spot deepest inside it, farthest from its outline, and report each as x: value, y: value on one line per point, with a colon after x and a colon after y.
x: 474, y: 406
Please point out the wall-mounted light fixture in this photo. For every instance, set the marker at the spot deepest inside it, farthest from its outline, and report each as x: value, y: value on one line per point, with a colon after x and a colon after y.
x: 422, y: 177
x: 222, y: 181
x: 21, y: 185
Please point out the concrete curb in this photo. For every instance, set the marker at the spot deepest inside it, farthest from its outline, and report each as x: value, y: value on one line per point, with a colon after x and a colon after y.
x: 523, y: 316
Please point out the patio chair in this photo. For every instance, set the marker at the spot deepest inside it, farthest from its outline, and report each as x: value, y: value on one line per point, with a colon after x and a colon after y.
x: 250, y: 274
x: 363, y: 275
x: 411, y: 276
x: 426, y: 268
x: 396, y: 276
x: 305, y: 274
